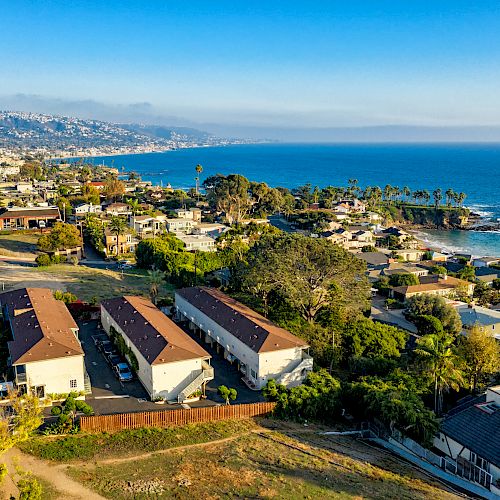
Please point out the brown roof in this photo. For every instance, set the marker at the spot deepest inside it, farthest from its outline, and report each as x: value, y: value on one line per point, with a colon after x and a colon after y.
x: 30, y: 212
x: 155, y: 336
x: 432, y: 283
x: 41, y: 326
x: 248, y: 326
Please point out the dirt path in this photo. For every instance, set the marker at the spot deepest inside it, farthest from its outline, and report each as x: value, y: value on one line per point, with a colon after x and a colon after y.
x: 52, y: 474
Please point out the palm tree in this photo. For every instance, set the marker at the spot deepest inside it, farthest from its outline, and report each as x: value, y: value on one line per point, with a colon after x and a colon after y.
x: 134, y: 204
x: 155, y: 279
x: 406, y: 192
x: 387, y: 192
x: 450, y: 196
x: 461, y: 198
x: 438, y: 196
x: 436, y: 354
x: 117, y: 226
x: 199, y: 170
x: 426, y: 196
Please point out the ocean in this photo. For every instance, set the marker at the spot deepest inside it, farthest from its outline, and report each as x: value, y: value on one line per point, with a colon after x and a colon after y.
x: 471, y: 168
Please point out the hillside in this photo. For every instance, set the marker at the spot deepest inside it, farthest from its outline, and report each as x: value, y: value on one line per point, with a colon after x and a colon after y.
x: 35, y: 132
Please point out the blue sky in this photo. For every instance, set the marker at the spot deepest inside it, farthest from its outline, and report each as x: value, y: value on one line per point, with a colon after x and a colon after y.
x: 259, y: 63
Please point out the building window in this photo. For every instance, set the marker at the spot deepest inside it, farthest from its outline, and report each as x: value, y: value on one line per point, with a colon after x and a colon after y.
x: 73, y: 384
x: 253, y: 374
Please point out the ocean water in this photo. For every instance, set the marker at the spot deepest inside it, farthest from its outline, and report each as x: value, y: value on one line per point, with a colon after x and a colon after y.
x: 471, y: 168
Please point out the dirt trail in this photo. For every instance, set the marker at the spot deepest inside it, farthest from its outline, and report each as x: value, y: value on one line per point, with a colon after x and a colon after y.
x: 54, y: 475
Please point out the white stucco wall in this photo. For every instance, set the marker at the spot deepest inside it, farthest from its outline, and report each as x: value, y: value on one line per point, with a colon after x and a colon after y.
x: 266, y: 365
x: 55, y: 374
x: 167, y: 379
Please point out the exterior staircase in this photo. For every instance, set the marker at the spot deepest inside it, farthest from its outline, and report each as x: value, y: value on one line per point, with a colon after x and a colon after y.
x: 207, y: 373
x: 87, y: 386
x: 294, y: 377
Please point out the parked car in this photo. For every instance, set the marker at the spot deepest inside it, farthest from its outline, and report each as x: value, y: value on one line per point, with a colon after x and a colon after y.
x: 123, y: 372
x: 107, y: 348
x: 114, y: 359
x: 100, y: 337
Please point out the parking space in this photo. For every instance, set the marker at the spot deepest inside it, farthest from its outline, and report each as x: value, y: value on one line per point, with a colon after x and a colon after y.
x: 109, y: 395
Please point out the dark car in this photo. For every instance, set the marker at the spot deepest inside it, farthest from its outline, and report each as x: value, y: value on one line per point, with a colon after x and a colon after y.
x: 107, y: 348
x: 100, y: 337
x: 123, y: 372
x: 114, y: 359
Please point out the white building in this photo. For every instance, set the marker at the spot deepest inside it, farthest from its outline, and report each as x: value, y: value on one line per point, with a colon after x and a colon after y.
x: 146, y: 225
x: 213, y: 230
x: 193, y: 213
x: 470, y: 440
x: 179, y: 225
x: 171, y: 364
x: 44, y: 351
x: 87, y: 208
x: 194, y: 242
x: 262, y: 350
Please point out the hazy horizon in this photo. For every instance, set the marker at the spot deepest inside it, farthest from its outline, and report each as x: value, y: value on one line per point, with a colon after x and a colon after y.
x: 290, y: 71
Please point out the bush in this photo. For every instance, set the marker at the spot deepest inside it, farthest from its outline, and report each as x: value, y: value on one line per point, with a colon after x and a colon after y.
x: 56, y: 410
x: 58, y: 259
x: 43, y: 260
x: 29, y: 489
x: 66, y: 297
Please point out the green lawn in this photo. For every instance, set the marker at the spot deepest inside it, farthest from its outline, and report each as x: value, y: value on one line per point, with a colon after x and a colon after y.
x: 86, y: 282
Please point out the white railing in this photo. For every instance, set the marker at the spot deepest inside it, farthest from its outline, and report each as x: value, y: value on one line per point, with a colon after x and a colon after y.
x: 207, y: 373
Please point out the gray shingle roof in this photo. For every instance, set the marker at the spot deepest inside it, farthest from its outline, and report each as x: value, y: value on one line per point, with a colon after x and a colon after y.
x: 477, y: 430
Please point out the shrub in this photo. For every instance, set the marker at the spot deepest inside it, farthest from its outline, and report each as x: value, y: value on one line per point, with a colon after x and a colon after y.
x: 66, y: 297
x: 58, y: 259
x: 56, y: 410
x: 29, y: 489
x: 74, y: 260
x: 43, y: 260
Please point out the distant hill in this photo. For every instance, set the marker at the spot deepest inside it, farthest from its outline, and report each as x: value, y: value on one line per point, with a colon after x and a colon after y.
x: 33, y: 131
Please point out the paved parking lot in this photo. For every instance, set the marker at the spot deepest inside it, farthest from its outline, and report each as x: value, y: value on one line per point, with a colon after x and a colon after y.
x: 109, y: 395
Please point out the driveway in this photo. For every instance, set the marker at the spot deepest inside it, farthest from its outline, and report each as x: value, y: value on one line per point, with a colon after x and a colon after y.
x: 394, y: 317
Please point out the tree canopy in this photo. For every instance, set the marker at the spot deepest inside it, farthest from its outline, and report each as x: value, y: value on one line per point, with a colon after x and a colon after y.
x: 61, y: 237
x: 434, y: 305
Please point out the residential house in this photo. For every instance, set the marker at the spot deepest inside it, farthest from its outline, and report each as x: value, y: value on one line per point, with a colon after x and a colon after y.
x: 350, y: 206
x: 360, y: 239
x: 98, y: 185
x: 469, y: 439
x: 118, y: 209
x: 410, y: 255
x: 261, y: 349
x: 198, y: 242
x: 44, y: 349
x: 486, y: 318
x: 402, y: 268
x: 211, y: 230
x: 87, y: 208
x: 118, y: 245
x: 375, y: 260
x: 179, y: 225
x: 485, y: 261
x: 193, y: 213
x: 487, y: 274
x: 28, y: 217
x: 446, y: 286
x: 147, y: 225
x: 7, y: 170
x: 171, y: 365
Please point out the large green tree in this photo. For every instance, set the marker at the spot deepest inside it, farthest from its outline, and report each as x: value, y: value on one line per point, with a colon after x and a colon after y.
x: 61, y: 237
x: 309, y: 273
x: 434, y: 305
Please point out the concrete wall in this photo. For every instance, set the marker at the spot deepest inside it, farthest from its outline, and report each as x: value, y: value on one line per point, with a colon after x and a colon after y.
x: 265, y: 365
x: 56, y: 374
x: 167, y: 379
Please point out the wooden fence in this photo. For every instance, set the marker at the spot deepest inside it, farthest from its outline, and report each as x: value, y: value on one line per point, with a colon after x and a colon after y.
x: 171, y: 418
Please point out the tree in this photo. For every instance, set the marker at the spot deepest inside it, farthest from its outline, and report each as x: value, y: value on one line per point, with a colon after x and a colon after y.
x: 438, y: 196
x: 61, y: 237
x: 403, y: 279
x: 227, y: 393
x: 91, y: 194
x: 436, y: 354
x: 467, y: 273
x: 309, y: 273
x: 370, y: 339
x: 25, y: 418
x: 439, y: 270
x: 481, y: 357
x: 117, y: 226
x: 429, y: 325
x: 229, y: 195
x: 434, y: 305
x: 134, y: 205
x: 114, y: 188
x: 155, y: 279
x: 199, y: 170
